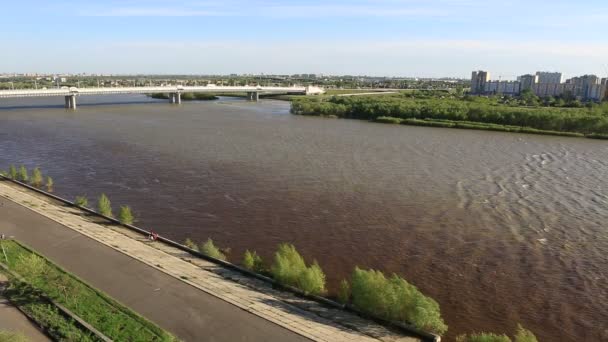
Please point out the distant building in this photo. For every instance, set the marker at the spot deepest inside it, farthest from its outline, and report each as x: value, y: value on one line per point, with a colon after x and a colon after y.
x: 478, y: 81
x: 527, y: 81
x: 549, y: 77
x: 542, y: 84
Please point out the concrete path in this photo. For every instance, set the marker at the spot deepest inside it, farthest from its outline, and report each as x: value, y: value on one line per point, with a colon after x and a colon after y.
x: 14, y: 320
x: 193, y: 298
x: 185, y: 311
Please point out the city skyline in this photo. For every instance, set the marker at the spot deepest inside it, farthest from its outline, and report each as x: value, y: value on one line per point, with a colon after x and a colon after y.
x: 406, y: 38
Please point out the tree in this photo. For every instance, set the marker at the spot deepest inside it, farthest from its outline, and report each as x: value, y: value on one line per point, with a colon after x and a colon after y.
x: 344, y: 292
x: 104, y: 206
x: 23, y: 176
x: 125, y: 216
x: 36, y: 178
x: 191, y: 244
x: 209, y: 249
x: 49, y: 184
x: 81, y: 201
x: 12, y: 172
x: 252, y: 261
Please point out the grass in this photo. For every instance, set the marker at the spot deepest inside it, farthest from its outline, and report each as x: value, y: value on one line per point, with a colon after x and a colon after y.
x: 81, y: 201
x: 521, y: 335
x: 9, y: 336
x: 104, y: 313
x: 253, y: 262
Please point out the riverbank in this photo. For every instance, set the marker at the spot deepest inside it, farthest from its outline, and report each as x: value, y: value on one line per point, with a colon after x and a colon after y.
x: 304, y: 317
x: 466, y: 113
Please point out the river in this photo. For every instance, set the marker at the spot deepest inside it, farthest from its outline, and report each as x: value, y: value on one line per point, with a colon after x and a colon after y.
x: 500, y: 228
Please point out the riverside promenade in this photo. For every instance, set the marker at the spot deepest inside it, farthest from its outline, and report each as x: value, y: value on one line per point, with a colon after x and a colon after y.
x: 192, y: 298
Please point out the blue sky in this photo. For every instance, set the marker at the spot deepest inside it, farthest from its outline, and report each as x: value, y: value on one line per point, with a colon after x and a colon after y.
x: 364, y: 37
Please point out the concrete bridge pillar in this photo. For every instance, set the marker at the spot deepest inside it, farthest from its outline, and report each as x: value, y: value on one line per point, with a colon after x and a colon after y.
x: 176, y: 98
x: 253, y: 96
x: 70, y: 102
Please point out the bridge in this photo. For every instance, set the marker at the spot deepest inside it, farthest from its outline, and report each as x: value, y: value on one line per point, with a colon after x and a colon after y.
x: 70, y: 94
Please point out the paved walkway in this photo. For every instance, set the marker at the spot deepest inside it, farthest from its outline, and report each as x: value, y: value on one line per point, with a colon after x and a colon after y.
x: 193, y: 298
x: 13, y: 320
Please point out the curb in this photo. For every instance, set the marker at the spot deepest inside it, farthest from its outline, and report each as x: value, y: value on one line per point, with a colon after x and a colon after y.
x: 427, y: 336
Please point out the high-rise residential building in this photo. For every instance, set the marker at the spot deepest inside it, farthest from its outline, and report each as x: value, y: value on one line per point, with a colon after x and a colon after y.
x: 478, y: 81
x: 545, y: 77
x: 527, y: 81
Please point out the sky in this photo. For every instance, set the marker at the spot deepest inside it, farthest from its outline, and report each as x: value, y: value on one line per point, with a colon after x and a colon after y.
x: 416, y: 38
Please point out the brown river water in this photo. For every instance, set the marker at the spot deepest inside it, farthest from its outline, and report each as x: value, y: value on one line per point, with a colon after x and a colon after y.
x: 500, y: 228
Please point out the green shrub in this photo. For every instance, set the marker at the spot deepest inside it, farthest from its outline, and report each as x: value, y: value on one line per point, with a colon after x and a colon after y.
x: 81, y: 201
x: 36, y: 178
x: 191, y: 244
x: 395, y: 299
x: 22, y: 176
x: 483, y: 337
x: 524, y: 335
x: 289, y: 268
x: 288, y: 265
x: 12, y: 172
x: 253, y: 262
x: 344, y: 291
x: 125, y: 216
x: 312, y: 280
x: 104, y: 206
x: 209, y: 249
x: 388, y: 119
x: 10, y: 336
x: 49, y: 184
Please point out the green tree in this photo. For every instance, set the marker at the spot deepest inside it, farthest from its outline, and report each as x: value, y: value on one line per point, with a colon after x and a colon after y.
x: 312, y: 280
x: 191, y: 244
x: 49, y: 184
x: 483, y: 337
x: 81, y: 201
x: 12, y: 172
x: 36, y: 178
x: 209, y: 249
x: 524, y: 335
x: 288, y: 265
x: 125, y: 215
x: 344, y: 291
x: 23, y: 176
x: 252, y: 261
x: 104, y: 206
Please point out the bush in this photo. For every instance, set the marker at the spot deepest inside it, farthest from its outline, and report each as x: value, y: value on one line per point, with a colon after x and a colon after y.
x: 253, y: 262
x: 312, y: 280
x: 36, y: 178
x: 524, y: 335
x: 395, y: 299
x: 104, y: 206
x: 12, y: 172
x: 289, y: 268
x: 81, y: 201
x: 483, y: 337
x: 191, y: 244
x: 209, y: 249
x: 288, y: 265
x: 125, y: 216
x: 22, y: 175
x: 344, y: 292
x: 49, y: 184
